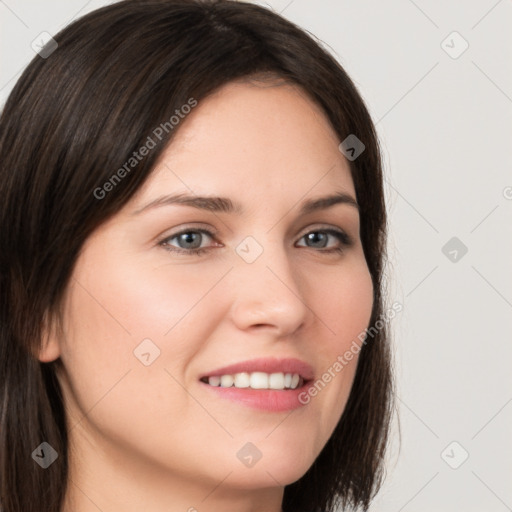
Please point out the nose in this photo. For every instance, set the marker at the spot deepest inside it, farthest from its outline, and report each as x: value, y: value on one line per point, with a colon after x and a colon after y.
x: 267, y: 292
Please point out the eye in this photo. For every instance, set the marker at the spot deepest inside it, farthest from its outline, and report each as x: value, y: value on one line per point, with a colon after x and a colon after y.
x: 319, y: 238
x: 190, y: 241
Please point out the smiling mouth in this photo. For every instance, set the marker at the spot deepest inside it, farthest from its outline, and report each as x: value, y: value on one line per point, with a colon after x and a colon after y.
x: 257, y: 380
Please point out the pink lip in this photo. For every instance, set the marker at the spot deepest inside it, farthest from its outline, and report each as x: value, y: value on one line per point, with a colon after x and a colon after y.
x: 267, y: 365
x: 263, y: 399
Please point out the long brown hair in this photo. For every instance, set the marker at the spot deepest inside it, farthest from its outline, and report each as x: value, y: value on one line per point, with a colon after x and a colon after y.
x: 73, y: 119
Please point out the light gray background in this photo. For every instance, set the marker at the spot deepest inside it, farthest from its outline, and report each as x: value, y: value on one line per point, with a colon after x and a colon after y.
x: 445, y: 125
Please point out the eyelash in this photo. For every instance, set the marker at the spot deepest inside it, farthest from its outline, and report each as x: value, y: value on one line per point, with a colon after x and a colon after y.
x: 343, y: 238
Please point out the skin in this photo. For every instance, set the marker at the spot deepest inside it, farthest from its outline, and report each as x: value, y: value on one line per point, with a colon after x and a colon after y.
x: 151, y: 437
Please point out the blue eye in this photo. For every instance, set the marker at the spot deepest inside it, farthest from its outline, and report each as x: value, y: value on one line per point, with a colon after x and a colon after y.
x: 190, y: 241
x: 322, y: 240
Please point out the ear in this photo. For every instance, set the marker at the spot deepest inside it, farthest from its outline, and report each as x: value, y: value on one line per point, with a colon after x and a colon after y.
x: 50, y: 348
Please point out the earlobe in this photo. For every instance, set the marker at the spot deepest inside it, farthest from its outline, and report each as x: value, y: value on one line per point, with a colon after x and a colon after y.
x: 50, y: 348
x: 49, y: 351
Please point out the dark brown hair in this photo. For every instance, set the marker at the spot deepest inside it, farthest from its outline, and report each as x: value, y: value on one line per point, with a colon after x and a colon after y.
x: 72, y: 120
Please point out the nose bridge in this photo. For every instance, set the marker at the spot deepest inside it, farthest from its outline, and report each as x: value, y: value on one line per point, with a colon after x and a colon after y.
x: 267, y: 289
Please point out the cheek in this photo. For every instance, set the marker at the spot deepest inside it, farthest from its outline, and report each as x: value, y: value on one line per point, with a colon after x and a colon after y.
x: 122, y: 304
x: 107, y: 316
x: 345, y: 310
x: 158, y: 301
x: 115, y: 315
x: 344, y: 304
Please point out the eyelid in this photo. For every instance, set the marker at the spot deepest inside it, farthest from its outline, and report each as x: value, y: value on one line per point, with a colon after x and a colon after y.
x: 343, y: 237
x: 208, y: 230
x: 324, y: 227
x: 215, y: 232
x: 203, y: 228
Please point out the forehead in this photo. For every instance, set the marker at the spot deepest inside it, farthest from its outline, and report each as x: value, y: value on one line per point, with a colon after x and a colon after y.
x: 264, y: 138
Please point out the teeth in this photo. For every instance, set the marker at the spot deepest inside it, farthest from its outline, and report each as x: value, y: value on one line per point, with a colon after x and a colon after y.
x: 214, y: 381
x: 242, y: 380
x: 257, y: 380
x: 276, y: 381
x: 226, y: 381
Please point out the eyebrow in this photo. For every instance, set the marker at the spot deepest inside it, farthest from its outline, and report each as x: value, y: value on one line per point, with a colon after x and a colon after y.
x: 226, y: 205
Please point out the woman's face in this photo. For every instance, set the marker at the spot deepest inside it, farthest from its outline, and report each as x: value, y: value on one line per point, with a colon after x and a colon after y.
x: 145, y: 318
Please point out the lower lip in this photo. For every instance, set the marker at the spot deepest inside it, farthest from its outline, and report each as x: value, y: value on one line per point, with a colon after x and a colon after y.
x: 262, y: 399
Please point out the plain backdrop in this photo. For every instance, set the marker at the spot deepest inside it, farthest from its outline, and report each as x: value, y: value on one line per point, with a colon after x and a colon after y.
x: 436, y: 77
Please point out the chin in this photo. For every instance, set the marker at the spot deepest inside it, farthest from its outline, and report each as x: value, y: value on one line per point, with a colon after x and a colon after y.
x: 274, y: 468
x: 267, y: 475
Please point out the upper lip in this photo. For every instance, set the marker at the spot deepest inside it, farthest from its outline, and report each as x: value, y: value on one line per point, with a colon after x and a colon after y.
x: 267, y: 365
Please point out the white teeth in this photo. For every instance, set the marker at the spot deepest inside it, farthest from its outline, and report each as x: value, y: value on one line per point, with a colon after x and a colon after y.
x: 242, y: 380
x: 226, y: 381
x: 214, y: 381
x: 258, y: 380
x: 276, y: 381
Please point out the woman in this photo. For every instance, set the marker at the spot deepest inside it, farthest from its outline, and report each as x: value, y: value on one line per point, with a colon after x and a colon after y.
x: 236, y: 373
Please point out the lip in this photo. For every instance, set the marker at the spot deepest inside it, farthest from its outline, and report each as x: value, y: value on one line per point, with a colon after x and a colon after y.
x: 269, y: 400
x: 267, y: 365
